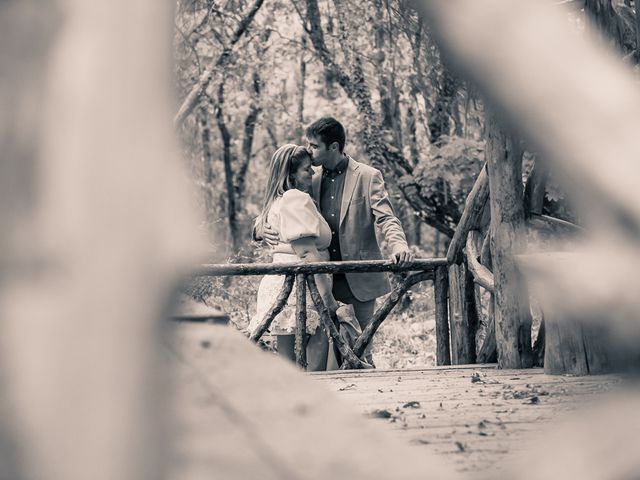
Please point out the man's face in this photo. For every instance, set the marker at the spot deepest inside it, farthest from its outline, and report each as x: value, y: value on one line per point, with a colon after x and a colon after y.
x: 318, y: 151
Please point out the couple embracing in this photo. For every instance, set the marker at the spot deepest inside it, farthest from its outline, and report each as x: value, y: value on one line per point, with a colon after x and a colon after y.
x: 330, y: 212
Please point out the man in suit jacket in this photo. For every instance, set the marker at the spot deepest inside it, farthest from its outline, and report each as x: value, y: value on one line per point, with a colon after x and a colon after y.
x: 353, y: 200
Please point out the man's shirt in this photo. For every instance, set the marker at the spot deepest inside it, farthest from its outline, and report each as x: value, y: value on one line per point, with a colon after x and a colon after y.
x: 331, y: 189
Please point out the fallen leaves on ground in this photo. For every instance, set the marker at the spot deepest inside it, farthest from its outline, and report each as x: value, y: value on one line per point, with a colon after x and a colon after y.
x: 351, y: 386
x: 381, y: 413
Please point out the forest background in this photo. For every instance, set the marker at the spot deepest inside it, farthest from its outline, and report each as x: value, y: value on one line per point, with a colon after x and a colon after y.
x: 252, y: 74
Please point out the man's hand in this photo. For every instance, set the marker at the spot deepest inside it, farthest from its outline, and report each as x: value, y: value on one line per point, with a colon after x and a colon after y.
x: 270, y: 236
x: 403, y: 257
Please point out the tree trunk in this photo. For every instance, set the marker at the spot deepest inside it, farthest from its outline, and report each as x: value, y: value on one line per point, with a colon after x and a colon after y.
x: 412, y: 139
x: 512, y: 316
x: 637, y: 24
x: 616, y: 21
x: 455, y: 114
x: 273, y: 137
x: 302, y: 89
x: 227, y: 158
x: 390, y: 115
x: 410, y: 126
x: 207, y: 163
x: 535, y: 189
x: 247, y: 140
x: 439, y: 120
x: 384, y: 87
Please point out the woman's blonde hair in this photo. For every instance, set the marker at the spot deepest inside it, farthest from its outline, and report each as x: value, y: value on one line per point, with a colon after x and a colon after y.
x: 284, y: 163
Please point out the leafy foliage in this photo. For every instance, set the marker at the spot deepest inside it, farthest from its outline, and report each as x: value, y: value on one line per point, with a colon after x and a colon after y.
x: 451, y: 169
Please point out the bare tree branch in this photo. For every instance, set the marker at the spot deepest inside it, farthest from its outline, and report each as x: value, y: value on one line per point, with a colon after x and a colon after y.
x: 205, y: 79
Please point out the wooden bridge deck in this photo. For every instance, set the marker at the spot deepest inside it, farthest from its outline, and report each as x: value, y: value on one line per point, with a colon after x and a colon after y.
x: 474, y: 415
x: 237, y: 412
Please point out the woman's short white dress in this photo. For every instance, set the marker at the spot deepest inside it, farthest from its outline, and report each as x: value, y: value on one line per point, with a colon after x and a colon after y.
x: 294, y: 215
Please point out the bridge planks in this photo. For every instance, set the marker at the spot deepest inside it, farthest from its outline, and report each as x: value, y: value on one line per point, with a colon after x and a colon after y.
x: 475, y: 425
x: 238, y: 412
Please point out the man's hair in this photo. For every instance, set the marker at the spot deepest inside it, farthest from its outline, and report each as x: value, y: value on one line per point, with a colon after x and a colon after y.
x: 328, y: 130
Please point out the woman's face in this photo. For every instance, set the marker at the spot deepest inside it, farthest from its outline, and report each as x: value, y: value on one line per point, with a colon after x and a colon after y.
x: 302, y: 176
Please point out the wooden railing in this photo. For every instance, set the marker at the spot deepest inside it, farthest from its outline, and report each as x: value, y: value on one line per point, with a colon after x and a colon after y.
x: 302, y: 276
x: 473, y: 262
x: 470, y: 263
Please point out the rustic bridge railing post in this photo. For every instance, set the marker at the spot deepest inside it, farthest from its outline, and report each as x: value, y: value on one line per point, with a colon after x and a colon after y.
x: 277, y: 307
x: 471, y: 216
x: 481, y: 274
x: 488, y: 350
x: 512, y: 317
x: 301, y: 320
x: 462, y: 302
x: 462, y: 315
x: 382, y: 312
x: 348, y: 357
x: 441, y: 294
x: 424, y: 269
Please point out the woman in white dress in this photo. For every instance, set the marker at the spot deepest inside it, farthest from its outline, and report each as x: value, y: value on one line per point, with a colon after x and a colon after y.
x: 304, y: 236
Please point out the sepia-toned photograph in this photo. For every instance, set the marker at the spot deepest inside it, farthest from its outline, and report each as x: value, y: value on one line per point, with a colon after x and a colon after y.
x: 319, y: 239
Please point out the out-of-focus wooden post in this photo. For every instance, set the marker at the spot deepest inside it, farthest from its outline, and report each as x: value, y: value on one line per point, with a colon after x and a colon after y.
x: 96, y: 230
